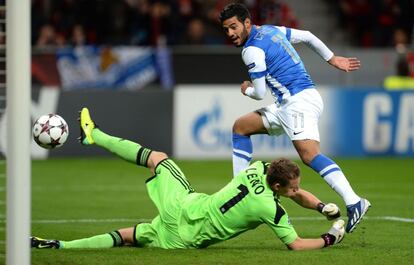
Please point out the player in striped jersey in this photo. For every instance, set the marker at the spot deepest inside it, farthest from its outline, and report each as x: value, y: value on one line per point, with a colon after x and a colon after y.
x: 188, y: 219
x: 273, y: 63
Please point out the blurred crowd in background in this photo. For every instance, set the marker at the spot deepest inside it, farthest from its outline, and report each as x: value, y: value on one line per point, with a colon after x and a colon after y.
x: 141, y: 22
x: 381, y: 23
x: 70, y: 23
x: 377, y: 23
x: 370, y: 23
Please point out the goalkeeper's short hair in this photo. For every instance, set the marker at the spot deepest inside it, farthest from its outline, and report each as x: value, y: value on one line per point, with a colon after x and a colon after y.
x: 282, y: 171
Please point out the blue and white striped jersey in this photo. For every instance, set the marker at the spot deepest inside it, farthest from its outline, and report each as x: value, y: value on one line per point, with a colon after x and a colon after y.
x: 271, y: 58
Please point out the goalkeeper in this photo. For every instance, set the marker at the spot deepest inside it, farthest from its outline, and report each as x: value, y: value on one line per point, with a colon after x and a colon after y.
x: 196, y: 220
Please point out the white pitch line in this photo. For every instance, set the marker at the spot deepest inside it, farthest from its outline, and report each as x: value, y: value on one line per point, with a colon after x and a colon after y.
x: 95, y: 188
x: 129, y: 220
x: 307, y: 218
x: 398, y: 219
x: 63, y: 221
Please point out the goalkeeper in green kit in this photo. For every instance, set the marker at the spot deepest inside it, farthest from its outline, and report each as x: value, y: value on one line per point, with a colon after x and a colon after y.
x: 188, y: 219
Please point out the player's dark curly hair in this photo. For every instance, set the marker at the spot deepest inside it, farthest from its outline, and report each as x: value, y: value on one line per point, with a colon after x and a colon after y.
x: 281, y: 171
x: 234, y: 9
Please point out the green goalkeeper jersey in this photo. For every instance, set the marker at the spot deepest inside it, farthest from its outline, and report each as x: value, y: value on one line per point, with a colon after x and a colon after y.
x: 243, y: 204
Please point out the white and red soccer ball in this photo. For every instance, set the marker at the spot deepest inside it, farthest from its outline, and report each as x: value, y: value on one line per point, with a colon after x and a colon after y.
x: 50, y: 131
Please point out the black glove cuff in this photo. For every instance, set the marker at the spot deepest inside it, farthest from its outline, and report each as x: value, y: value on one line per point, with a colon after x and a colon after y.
x: 329, y: 239
x: 320, y: 206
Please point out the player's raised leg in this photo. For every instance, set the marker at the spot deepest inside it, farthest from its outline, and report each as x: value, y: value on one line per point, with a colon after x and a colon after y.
x: 310, y: 154
x: 127, y: 150
x: 243, y: 128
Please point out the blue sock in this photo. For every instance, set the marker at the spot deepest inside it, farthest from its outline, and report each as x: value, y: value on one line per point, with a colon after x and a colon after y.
x: 242, y: 152
x: 323, y: 165
x: 334, y: 176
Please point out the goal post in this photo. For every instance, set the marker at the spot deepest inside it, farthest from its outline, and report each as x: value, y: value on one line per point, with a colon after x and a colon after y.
x: 18, y: 100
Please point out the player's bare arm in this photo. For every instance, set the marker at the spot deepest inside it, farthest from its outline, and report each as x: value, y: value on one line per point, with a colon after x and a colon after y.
x: 305, y: 199
x: 344, y: 63
x: 308, y: 200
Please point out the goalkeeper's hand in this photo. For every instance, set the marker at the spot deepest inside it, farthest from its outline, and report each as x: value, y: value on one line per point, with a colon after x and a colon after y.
x: 335, y: 234
x: 330, y: 210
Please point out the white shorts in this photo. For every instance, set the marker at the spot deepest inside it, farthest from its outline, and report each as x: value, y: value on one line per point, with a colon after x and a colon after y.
x: 297, y: 116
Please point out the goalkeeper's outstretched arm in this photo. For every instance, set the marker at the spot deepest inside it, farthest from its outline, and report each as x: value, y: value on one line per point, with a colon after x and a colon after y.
x: 308, y: 200
x: 305, y: 199
x: 333, y: 236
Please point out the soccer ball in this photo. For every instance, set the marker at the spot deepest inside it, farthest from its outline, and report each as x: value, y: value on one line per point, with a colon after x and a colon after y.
x: 50, y: 131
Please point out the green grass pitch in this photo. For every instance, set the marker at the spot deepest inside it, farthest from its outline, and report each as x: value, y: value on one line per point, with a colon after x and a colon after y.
x: 81, y: 197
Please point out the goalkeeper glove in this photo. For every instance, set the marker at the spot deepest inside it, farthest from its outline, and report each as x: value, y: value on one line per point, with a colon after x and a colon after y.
x: 330, y: 210
x: 335, y: 234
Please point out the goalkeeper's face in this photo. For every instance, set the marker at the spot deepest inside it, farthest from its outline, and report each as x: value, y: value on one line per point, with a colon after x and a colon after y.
x: 289, y: 190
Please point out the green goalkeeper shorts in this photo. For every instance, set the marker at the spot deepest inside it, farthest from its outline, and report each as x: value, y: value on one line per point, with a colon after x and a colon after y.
x: 166, y: 189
